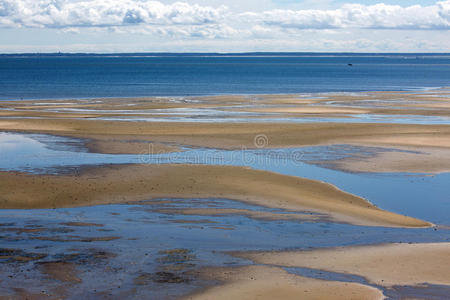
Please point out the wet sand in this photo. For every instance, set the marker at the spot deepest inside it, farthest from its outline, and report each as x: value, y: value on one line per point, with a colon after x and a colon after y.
x: 384, y: 265
x: 152, y: 138
x: 84, y: 119
x: 62, y: 271
x: 435, y: 102
x: 124, y: 146
x: 261, y: 215
x: 119, y: 184
x: 238, y: 135
x: 409, y: 159
x: 263, y: 282
x: 380, y: 103
x: 121, y: 126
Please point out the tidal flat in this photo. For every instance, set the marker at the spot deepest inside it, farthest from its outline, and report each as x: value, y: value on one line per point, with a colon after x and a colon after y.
x: 258, y: 196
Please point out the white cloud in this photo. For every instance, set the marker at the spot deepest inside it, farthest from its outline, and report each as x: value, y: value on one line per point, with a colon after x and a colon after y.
x: 104, y: 13
x: 199, y: 22
x: 357, y: 40
x: 379, y: 16
x: 209, y: 31
x: 132, y: 13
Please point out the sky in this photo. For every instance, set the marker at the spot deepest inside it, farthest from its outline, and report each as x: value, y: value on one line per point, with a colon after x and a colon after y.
x: 111, y: 26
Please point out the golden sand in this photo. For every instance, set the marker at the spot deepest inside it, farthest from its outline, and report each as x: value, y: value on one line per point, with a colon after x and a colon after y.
x: 419, y: 160
x: 79, y: 118
x: 261, y: 282
x: 380, y: 103
x: 118, y: 184
x: 135, y: 138
x: 312, y: 110
x: 120, y: 146
x: 386, y: 265
x: 237, y: 135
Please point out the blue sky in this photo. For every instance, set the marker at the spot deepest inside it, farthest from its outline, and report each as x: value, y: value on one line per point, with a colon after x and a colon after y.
x: 224, y: 26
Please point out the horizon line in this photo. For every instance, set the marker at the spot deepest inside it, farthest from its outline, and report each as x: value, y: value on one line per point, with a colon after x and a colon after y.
x: 159, y: 53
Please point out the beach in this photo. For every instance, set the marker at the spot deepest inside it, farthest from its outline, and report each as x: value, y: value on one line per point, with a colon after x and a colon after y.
x: 322, y: 195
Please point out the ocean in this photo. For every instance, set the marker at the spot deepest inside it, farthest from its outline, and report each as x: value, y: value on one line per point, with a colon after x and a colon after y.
x: 37, y: 76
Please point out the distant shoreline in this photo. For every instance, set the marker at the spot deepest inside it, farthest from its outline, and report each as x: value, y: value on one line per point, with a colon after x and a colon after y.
x: 225, y: 54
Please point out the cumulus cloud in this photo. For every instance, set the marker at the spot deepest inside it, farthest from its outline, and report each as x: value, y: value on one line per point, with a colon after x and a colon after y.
x: 193, y: 20
x: 104, y: 13
x: 379, y: 16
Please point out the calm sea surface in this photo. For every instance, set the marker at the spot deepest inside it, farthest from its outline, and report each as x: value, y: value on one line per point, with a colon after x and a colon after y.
x: 63, y: 76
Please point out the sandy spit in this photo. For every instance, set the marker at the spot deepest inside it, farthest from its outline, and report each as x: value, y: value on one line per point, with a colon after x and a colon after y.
x: 118, y: 184
x: 238, y: 135
x: 417, y: 160
x: 386, y: 265
x: 261, y: 282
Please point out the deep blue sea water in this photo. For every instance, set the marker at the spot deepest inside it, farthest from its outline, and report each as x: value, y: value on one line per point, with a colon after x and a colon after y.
x: 126, y: 75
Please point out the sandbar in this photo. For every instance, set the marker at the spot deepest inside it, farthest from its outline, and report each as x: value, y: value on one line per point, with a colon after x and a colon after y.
x: 262, y: 282
x: 385, y: 265
x: 429, y: 160
x: 238, y: 135
x: 115, y: 137
x: 124, y: 183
